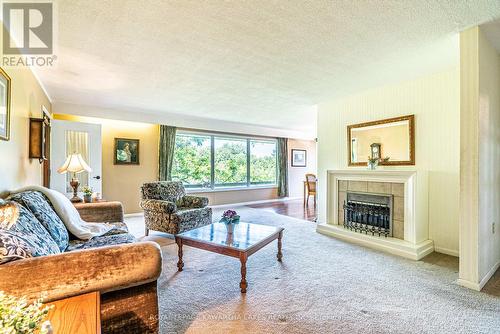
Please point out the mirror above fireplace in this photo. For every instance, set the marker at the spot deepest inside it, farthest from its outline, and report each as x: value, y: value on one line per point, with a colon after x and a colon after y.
x: 392, y: 141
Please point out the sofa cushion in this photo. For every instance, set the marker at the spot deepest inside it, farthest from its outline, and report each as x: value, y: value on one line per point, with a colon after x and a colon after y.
x: 105, y: 240
x: 42, y: 209
x: 13, y: 247
x: 33, y: 233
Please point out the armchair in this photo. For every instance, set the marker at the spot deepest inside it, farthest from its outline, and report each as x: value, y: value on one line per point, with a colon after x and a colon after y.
x: 168, y: 209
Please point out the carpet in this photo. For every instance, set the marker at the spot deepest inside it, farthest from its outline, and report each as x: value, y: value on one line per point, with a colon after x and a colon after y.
x: 324, y: 285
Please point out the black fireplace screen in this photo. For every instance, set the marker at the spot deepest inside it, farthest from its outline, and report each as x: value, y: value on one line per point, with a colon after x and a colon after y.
x: 368, y: 213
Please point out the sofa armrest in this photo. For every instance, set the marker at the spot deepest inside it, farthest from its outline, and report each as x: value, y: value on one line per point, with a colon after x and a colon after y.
x: 101, y: 212
x: 158, y: 205
x: 68, y: 274
x: 194, y: 202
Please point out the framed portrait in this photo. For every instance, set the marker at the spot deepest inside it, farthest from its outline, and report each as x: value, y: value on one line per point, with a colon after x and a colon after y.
x: 126, y: 151
x: 299, y: 158
x: 4, y: 105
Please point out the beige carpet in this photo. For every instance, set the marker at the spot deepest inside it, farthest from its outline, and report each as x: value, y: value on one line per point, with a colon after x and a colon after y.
x: 324, y: 285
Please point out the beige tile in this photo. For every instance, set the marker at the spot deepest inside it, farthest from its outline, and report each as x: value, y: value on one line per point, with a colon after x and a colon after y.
x: 358, y: 186
x: 398, y: 189
x: 398, y: 208
x: 398, y: 229
x: 342, y: 198
x: 342, y: 185
x: 379, y: 187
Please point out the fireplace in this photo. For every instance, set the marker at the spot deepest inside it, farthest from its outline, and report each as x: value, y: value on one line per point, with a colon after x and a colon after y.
x: 368, y: 213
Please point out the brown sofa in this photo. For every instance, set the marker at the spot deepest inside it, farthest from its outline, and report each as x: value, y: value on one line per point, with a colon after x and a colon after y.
x: 124, y: 274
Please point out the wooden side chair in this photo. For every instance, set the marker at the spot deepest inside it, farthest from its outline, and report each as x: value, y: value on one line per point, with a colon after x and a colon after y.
x: 311, y: 188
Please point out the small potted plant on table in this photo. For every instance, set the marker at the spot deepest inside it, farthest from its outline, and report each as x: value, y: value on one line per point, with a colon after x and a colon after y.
x: 230, y: 218
x: 87, y: 194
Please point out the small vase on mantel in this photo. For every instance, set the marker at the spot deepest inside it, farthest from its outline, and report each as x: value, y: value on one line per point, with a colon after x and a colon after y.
x: 372, y: 164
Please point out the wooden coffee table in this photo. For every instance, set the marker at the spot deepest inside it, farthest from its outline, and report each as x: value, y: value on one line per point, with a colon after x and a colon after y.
x: 244, y: 241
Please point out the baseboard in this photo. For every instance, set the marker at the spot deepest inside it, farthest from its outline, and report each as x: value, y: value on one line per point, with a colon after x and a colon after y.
x: 390, y: 245
x: 255, y: 202
x: 482, y: 283
x: 446, y: 251
x: 137, y: 214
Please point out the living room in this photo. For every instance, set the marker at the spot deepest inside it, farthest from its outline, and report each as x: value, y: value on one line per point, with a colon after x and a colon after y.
x: 193, y: 167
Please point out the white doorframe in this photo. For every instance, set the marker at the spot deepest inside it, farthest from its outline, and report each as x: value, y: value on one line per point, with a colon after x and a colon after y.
x: 58, y: 153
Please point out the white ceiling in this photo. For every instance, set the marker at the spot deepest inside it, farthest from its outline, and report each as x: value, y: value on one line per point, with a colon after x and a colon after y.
x: 256, y: 62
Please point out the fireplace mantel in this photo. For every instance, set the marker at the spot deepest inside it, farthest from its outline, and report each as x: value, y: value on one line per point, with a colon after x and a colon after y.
x: 416, y: 243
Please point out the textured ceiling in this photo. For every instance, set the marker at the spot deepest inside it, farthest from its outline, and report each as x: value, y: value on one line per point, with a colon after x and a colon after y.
x: 258, y: 62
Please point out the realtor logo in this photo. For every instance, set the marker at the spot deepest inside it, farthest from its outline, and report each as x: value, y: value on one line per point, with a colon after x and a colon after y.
x: 28, y: 28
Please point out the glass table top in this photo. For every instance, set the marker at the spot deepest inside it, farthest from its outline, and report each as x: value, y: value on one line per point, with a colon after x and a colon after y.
x: 244, y: 236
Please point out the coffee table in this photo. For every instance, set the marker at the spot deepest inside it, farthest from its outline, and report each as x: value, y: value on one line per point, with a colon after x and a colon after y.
x: 244, y: 241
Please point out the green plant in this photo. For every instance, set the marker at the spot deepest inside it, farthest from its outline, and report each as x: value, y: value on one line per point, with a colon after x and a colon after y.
x: 87, y: 191
x: 17, y: 316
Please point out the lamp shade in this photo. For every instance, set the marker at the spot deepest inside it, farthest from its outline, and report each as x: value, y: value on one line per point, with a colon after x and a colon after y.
x: 74, y: 164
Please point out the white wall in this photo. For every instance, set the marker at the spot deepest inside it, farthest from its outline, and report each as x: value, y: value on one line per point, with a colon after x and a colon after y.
x: 434, y: 100
x: 296, y: 175
x: 480, y: 159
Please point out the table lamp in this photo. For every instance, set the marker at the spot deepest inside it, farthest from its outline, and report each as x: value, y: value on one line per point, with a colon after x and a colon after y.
x: 74, y: 164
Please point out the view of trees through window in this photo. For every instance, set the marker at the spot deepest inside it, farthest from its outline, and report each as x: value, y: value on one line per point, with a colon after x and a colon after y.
x: 237, y: 161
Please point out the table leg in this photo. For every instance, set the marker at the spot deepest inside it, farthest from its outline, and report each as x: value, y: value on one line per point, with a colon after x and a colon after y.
x: 243, y: 283
x: 180, y: 264
x: 280, y: 254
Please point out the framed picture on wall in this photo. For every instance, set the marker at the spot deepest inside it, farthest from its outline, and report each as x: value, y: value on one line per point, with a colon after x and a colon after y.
x: 299, y: 158
x: 126, y: 151
x: 4, y: 105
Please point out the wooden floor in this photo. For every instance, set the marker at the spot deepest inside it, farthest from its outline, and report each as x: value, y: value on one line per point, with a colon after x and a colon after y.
x: 296, y: 209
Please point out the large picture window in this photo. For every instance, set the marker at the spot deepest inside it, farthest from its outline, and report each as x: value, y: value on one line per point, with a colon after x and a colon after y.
x: 214, y: 161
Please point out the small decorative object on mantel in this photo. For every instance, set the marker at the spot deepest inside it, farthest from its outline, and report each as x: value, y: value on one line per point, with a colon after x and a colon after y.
x: 87, y: 194
x: 4, y: 105
x: 374, y: 162
x: 230, y: 218
x: 19, y: 316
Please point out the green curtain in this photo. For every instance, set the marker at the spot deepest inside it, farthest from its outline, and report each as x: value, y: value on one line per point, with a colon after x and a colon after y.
x: 166, y: 152
x: 282, y: 167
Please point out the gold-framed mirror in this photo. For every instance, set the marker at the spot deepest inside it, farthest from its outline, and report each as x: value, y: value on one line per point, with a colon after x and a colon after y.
x: 391, y: 140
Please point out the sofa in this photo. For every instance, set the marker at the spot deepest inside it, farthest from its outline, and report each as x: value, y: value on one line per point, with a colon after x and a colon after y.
x: 38, y: 255
x: 168, y: 209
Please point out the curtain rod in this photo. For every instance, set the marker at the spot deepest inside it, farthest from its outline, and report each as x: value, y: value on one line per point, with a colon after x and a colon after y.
x: 225, y: 133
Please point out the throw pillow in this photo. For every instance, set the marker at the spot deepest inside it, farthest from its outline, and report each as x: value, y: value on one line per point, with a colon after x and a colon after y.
x: 12, y: 247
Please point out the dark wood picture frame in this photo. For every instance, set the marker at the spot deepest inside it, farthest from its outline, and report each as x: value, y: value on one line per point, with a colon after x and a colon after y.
x: 294, y: 164
x: 411, y: 126
x: 8, y: 93
x: 133, y: 161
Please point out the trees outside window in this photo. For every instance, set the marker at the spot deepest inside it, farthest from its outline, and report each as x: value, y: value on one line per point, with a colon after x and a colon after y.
x: 211, y: 161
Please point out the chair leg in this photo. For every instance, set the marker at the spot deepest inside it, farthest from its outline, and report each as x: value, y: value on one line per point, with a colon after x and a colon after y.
x: 307, y: 201
x: 146, y: 231
x: 314, y: 200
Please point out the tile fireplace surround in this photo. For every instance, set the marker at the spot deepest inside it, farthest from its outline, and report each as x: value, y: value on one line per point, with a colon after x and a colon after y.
x: 407, y: 186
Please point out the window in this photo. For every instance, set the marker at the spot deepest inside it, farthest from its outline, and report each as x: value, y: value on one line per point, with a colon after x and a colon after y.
x: 230, y: 164
x: 192, y: 160
x: 213, y: 161
x: 262, y: 162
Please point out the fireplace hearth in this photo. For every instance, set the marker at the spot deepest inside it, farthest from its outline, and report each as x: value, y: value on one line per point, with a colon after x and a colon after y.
x: 368, y: 213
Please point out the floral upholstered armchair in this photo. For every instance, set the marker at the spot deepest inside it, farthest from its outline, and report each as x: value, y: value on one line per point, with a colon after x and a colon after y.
x: 168, y: 209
